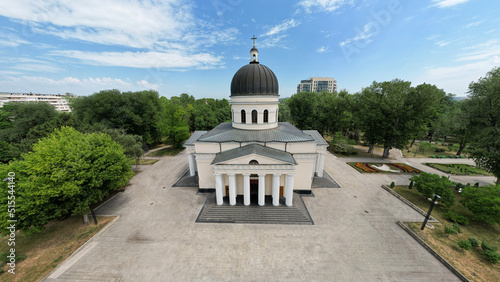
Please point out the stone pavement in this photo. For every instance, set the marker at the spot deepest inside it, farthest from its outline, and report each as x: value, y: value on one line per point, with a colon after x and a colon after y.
x: 354, y: 236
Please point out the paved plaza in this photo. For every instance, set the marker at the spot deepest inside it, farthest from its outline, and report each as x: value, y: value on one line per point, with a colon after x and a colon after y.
x: 354, y: 236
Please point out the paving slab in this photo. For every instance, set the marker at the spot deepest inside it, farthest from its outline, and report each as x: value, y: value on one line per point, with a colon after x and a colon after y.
x: 354, y: 237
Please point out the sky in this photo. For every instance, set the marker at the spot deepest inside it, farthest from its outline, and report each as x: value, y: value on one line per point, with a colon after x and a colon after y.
x: 195, y: 47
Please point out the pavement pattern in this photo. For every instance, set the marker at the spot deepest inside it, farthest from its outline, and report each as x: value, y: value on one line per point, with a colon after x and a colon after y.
x: 354, y: 236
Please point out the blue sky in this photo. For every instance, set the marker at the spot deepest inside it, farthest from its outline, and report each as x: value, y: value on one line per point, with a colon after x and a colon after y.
x: 195, y: 47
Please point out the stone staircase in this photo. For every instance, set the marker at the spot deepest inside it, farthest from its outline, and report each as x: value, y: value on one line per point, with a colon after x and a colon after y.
x: 255, y: 214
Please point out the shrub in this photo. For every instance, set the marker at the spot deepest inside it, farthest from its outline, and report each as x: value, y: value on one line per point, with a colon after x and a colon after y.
x: 392, y: 184
x: 474, y: 242
x: 456, y: 217
x: 343, y: 145
x: 429, y: 184
x: 491, y: 256
x: 411, y: 185
x: 487, y: 247
x: 459, y: 186
x: 439, y: 150
x: 449, y: 230
x: 483, y: 202
x: 465, y: 244
x: 5, y: 259
x: 457, y: 228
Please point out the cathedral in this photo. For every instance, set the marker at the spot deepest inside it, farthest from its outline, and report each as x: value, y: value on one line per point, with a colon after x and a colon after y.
x: 255, y: 157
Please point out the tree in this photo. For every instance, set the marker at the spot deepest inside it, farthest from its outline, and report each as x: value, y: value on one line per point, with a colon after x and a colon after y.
x: 390, y: 113
x: 284, y: 114
x: 174, y: 122
x: 484, y: 106
x: 66, y: 173
x: 304, y: 110
x: 137, y: 113
x: 456, y: 121
x: 483, y: 202
x: 429, y: 184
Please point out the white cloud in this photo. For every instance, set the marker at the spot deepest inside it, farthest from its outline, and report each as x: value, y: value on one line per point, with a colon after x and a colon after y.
x: 322, y: 49
x: 441, y: 43
x: 474, y: 63
x: 80, y: 86
x: 448, y: 3
x: 273, y: 41
x: 285, y: 25
x: 152, y: 59
x: 323, y: 5
x: 369, y: 30
x: 11, y: 40
x: 474, y: 24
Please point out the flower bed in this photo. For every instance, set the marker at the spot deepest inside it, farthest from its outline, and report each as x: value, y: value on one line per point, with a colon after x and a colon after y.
x: 383, y: 168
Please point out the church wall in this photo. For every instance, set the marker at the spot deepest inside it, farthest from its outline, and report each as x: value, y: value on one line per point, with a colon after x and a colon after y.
x: 206, y: 177
x: 229, y: 146
x: 301, y: 148
x: 304, y: 173
x: 207, y: 148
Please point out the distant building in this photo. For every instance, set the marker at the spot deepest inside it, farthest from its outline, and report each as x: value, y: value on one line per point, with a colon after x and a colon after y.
x: 317, y: 84
x: 57, y: 100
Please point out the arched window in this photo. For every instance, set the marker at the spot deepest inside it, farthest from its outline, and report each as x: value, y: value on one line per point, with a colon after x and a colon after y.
x: 266, y: 116
x: 243, y: 116
x: 254, y: 116
x: 253, y: 162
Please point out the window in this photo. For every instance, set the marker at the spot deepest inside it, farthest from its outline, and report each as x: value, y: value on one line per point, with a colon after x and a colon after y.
x: 266, y: 116
x: 243, y: 116
x: 253, y: 162
x: 254, y: 116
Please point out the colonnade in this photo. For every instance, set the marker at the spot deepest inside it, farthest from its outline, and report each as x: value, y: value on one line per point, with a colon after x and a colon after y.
x: 220, y: 188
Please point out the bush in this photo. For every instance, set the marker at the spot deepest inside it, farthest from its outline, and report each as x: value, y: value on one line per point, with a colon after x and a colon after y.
x: 457, y: 228
x: 343, y: 145
x: 392, y: 184
x: 411, y: 185
x: 450, y: 230
x: 465, y: 244
x: 5, y: 259
x: 429, y: 184
x: 491, y: 256
x: 487, y: 247
x: 474, y: 242
x: 483, y: 202
x: 439, y: 150
x: 456, y: 218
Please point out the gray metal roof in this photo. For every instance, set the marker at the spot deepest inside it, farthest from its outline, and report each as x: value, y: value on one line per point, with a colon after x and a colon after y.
x: 285, y: 132
x: 317, y: 137
x: 254, y: 79
x: 254, y: 149
x: 194, y: 138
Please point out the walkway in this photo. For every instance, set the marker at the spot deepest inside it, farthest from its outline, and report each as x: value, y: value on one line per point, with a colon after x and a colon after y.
x: 354, y: 236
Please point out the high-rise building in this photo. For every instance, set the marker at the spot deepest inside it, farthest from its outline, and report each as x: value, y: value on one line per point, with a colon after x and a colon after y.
x: 59, y: 101
x: 317, y: 84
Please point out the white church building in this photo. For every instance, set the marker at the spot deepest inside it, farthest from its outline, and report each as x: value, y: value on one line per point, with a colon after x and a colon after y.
x: 255, y: 156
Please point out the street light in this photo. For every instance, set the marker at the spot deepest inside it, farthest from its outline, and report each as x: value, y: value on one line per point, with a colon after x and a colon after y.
x: 436, y: 197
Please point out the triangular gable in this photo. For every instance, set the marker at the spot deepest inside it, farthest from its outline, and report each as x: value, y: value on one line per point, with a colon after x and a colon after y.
x: 254, y: 149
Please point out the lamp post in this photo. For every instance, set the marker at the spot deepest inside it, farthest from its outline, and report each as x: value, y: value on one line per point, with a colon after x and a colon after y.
x: 436, y: 197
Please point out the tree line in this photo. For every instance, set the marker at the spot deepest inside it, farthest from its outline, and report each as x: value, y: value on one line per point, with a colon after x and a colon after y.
x: 393, y: 114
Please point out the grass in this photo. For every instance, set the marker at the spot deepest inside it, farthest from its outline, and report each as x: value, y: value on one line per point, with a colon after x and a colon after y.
x: 146, y: 161
x: 445, y: 151
x: 47, y: 249
x: 169, y: 151
x: 459, y: 169
x: 467, y: 262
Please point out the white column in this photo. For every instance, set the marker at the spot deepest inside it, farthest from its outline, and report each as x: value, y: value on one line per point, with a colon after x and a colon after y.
x: 246, y: 189
x: 191, y: 165
x: 223, y: 185
x: 218, y: 188
x: 232, y: 189
x: 262, y: 189
x: 276, y: 189
x: 321, y: 164
x: 289, y: 190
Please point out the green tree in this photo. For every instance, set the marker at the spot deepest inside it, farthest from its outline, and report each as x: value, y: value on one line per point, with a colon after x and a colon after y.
x: 483, y: 202
x: 284, y: 114
x: 484, y: 106
x: 429, y: 184
x: 138, y: 113
x: 304, y: 108
x: 174, y: 122
x: 66, y: 173
x: 390, y: 113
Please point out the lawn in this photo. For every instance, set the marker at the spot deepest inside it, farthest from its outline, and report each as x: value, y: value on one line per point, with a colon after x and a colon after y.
x: 383, y: 167
x: 467, y: 262
x: 169, y: 151
x: 47, y: 249
x: 147, y: 161
x: 459, y: 169
x: 439, y: 149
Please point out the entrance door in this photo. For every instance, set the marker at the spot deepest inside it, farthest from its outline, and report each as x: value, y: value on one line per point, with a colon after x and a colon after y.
x: 254, y: 190
x: 282, y: 191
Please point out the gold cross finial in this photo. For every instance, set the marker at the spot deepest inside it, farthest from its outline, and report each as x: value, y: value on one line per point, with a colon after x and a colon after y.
x: 253, y: 38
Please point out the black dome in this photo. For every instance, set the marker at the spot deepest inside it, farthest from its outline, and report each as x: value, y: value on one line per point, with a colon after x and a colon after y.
x: 254, y: 79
